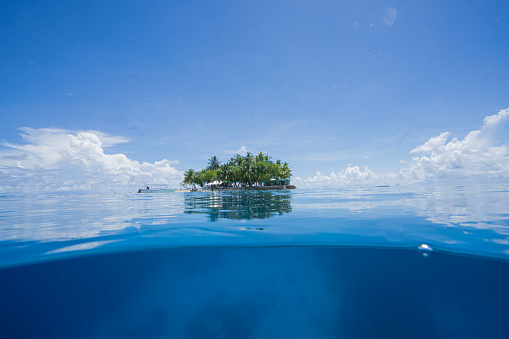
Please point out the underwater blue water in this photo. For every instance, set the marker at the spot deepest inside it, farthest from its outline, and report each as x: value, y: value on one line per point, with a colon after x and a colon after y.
x: 422, y: 261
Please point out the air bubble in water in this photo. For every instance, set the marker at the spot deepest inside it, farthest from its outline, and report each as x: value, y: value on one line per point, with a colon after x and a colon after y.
x: 425, y: 248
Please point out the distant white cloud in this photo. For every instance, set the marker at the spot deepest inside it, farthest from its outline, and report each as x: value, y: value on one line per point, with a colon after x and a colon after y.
x: 477, y: 154
x: 350, y: 175
x: 242, y: 150
x: 76, y: 160
x: 390, y: 15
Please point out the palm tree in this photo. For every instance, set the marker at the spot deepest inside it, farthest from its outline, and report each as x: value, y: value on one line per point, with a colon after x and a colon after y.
x: 214, y: 163
x: 248, y: 168
x: 272, y: 171
x: 225, y: 173
x: 286, y: 171
x: 189, y: 177
x: 236, y: 174
x: 263, y: 157
x: 260, y: 157
x: 238, y: 160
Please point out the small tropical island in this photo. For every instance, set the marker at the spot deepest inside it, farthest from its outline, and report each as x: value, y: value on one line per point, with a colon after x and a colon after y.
x: 247, y: 172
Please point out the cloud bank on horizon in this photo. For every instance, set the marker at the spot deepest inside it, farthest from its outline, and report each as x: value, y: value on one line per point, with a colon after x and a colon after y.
x: 476, y: 154
x: 57, y: 159
x: 479, y: 154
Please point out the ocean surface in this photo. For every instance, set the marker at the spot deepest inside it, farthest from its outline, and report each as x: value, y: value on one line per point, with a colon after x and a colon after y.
x: 417, y: 261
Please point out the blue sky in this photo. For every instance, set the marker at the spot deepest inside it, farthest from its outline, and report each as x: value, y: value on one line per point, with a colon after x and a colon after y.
x: 323, y: 85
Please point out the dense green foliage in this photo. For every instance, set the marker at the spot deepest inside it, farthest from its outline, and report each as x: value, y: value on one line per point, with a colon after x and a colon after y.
x: 248, y: 170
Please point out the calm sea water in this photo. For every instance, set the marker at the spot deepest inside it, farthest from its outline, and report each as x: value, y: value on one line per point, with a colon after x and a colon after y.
x: 391, y: 262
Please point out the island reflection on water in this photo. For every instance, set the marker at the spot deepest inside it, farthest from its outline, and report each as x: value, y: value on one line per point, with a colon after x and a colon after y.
x: 239, y: 205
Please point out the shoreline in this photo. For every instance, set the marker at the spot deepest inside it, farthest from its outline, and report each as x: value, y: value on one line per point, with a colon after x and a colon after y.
x: 254, y: 188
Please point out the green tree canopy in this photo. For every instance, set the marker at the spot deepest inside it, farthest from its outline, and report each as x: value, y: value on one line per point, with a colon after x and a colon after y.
x: 248, y: 170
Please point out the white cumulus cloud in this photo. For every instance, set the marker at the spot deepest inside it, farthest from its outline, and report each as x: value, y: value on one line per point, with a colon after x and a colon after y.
x: 478, y: 153
x: 242, y: 150
x: 350, y: 175
x: 53, y: 158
